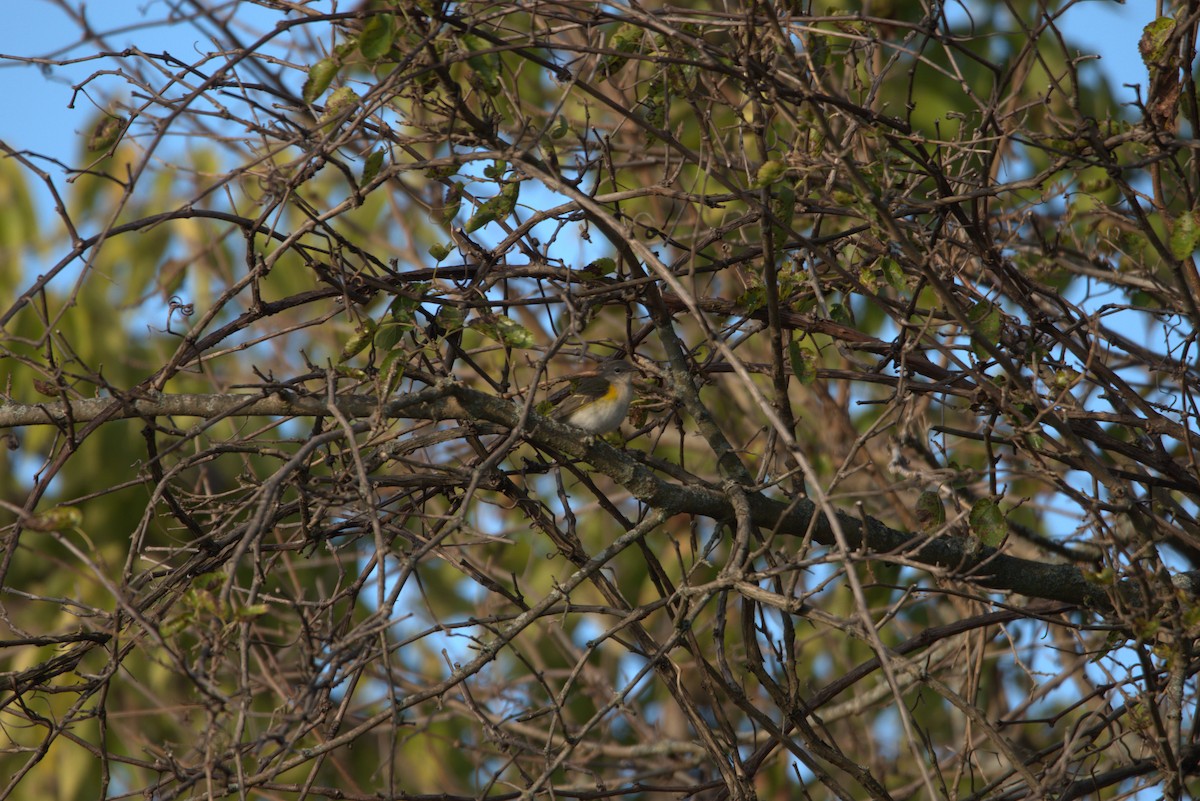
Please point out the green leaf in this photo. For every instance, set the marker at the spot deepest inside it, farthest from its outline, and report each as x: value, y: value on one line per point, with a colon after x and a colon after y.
x: 442, y: 172
x: 1185, y: 234
x: 373, y: 165
x: 513, y: 334
x: 320, y: 75
x: 601, y: 267
x: 404, y: 306
x: 627, y: 39
x: 931, y: 514
x: 377, y: 36
x: 496, y: 208
x: 511, y: 191
x: 504, y: 330
x: 450, y: 319
x: 753, y: 299
x: 1144, y: 300
x: 987, y: 522
x: 485, y: 65
x: 868, y: 277
x: 438, y: 251
x: 804, y: 363
x: 893, y: 273
x: 985, y: 321
x: 485, y: 215
x: 561, y: 128
x: 388, y: 335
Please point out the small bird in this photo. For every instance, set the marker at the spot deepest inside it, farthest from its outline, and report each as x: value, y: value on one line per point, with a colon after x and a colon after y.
x: 597, y: 402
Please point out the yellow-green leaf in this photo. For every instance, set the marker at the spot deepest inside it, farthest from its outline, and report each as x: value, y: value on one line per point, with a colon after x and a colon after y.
x: 392, y: 370
x: 627, y: 39
x: 1155, y: 37
x: 770, y: 172
x: 987, y: 522
x: 356, y: 373
x: 358, y: 341
x: 106, y: 133
x: 342, y: 100
x: 504, y: 330
x: 320, y: 75
x: 251, y: 611
x: 57, y: 518
x: 1185, y: 235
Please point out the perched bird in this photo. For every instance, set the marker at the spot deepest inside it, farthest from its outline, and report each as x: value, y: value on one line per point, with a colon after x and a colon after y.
x: 598, y: 401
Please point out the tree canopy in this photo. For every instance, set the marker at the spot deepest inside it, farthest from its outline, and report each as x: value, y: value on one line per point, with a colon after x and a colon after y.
x: 906, y: 505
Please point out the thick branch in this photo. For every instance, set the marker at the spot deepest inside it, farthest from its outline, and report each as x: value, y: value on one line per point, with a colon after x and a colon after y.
x: 965, y: 557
